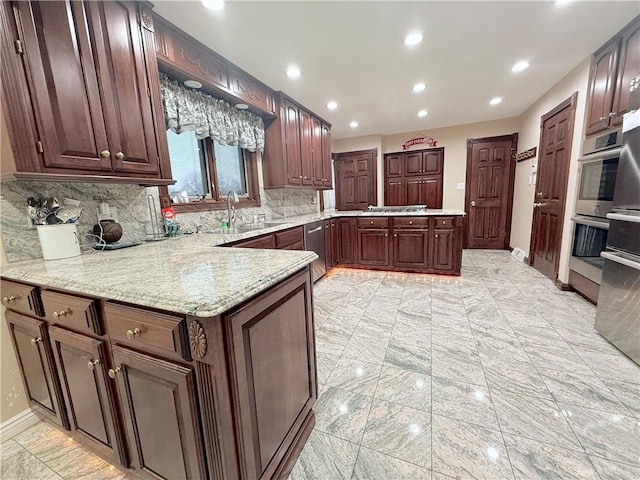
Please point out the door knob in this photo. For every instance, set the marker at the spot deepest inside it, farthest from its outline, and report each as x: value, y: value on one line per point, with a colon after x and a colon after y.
x: 112, y: 372
x: 92, y: 363
x: 537, y: 205
x: 119, y: 156
x: 105, y: 153
x: 473, y: 203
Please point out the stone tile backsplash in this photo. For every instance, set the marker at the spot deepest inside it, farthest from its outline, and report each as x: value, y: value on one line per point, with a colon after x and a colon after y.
x: 131, y: 204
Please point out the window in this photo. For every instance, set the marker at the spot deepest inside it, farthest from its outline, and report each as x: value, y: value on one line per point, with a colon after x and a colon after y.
x: 205, y: 171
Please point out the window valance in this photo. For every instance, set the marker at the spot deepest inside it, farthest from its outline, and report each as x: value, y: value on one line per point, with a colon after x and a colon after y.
x: 191, y: 110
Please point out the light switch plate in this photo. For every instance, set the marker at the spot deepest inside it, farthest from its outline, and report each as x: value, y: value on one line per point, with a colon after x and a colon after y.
x: 460, y: 186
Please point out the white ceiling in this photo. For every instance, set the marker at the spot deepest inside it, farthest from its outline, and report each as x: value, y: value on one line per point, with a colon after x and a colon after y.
x: 354, y: 53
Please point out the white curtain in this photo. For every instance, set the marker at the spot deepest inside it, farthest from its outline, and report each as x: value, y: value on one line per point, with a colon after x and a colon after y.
x: 191, y: 110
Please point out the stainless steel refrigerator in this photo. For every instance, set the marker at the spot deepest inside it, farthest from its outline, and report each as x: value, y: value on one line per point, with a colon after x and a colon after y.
x: 618, y: 313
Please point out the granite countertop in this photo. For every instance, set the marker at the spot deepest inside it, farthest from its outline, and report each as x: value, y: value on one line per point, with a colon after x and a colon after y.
x: 186, y: 275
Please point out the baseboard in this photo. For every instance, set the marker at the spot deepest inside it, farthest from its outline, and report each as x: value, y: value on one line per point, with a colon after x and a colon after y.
x: 565, y: 287
x: 18, y: 424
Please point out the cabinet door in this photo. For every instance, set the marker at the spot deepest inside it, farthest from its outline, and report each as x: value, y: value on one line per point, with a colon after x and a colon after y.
x: 600, y: 90
x: 334, y: 241
x: 432, y: 162
x: 393, y: 165
x: 306, y: 147
x: 272, y: 364
x: 33, y: 351
x: 82, y: 367
x: 328, y: 244
x: 63, y: 84
x: 432, y: 192
x: 442, y: 252
x: 395, y: 192
x: 410, y: 248
x: 327, y: 175
x: 345, y: 238
x: 628, y: 69
x: 373, y: 247
x: 414, y: 191
x: 124, y: 86
x: 316, y: 152
x: 413, y: 163
x: 292, y: 143
x: 159, y: 403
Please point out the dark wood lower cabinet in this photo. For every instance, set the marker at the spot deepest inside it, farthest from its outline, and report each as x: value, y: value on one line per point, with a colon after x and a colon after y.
x: 373, y: 247
x: 410, y: 248
x: 345, y: 241
x: 274, y: 388
x: 442, y: 253
x: 160, y: 407
x: 82, y: 364
x: 31, y: 343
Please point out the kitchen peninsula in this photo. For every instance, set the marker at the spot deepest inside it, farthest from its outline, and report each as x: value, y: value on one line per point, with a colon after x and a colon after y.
x: 175, y: 359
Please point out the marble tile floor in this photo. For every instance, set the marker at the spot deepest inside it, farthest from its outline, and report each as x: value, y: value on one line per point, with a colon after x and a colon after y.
x: 496, y: 374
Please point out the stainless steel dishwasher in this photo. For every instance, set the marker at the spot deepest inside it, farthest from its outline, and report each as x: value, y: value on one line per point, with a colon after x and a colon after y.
x: 314, y: 242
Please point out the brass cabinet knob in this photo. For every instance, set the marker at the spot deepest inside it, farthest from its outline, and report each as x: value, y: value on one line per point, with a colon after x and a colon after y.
x: 386, y: 234
x: 602, y: 118
x: 371, y: 222
x: 92, y: 363
x: 473, y: 203
x: 9, y: 299
x: 119, y: 156
x: 612, y: 114
x: 62, y: 313
x: 131, y: 334
x: 35, y: 341
x: 113, y: 371
x: 105, y: 153
x: 444, y: 222
x: 437, y: 236
x: 410, y: 222
x: 395, y: 235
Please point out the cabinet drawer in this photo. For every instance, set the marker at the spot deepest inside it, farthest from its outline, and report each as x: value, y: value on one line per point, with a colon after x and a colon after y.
x: 378, y: 222
x: 21, y: 298
x: 444, y: 222
x: 264, y: 241
x: 71, y: 311
x: 288, y: 237
x: 145, y: 329
x: 411, y: 222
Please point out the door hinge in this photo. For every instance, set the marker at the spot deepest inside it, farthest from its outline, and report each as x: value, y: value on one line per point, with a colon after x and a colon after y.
x: 19, y: 48
x: 39, y: 146
x: 148, y: 92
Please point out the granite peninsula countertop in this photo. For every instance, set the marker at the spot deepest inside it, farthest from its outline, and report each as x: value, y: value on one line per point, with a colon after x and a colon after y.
x: 188, y: 274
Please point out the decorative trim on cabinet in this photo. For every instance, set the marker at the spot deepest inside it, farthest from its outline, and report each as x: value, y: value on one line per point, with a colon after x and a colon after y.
x: 197, y: 339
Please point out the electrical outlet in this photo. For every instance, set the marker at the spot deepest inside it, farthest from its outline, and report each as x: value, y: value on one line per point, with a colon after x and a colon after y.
x: 460, y: 186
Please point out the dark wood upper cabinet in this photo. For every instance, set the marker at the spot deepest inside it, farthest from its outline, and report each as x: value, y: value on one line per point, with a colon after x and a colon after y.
x: 82, y: 364
x: 35, y: 359
x: 297, y: 148
x: 628, y: 69
x: 356, y: 179
x: 86, y: 69
x: 159, y: 404
x: 612, y: 69
x: 414, y: 178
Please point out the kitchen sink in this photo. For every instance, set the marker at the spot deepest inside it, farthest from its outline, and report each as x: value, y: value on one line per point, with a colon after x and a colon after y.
x: 256, y: 226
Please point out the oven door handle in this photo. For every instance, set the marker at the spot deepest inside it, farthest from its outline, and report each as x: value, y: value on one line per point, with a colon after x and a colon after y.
x: 590, y: 223
x: 621, y: 260
x: 623, y: 217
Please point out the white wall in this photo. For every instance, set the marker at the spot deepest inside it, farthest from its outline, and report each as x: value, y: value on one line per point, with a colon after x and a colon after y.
x: 454, y: 141
x: 529, y: 136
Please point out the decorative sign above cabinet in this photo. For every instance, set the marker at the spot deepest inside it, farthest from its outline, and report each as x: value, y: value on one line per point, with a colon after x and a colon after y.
x: 421, y: 140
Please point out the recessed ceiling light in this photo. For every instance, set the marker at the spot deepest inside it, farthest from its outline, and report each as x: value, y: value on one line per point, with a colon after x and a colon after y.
x: 413, y: 39
x: 242, y: 106
x: 192, y: 84
x: 353, y: 124
x: 562, y: 3
x: 213, y: 4
x: 419, y: 87
x: 332, y: 105
x: 495, y: 101
x: 293, y: 72
x: 520, y: 66
x: 422, y: 113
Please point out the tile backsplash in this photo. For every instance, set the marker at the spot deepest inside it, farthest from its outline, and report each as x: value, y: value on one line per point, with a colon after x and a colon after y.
x: 131, y: 203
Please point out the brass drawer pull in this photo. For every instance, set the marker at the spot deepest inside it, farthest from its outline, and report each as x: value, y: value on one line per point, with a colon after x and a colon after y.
x: 105, y: 153
x: 9, y: 299
x: 62, y: 313
x: 132, y: 334
x: 113, y: 371
x: 92, y: 363
x: 35, y: 341
x: 119, y: 156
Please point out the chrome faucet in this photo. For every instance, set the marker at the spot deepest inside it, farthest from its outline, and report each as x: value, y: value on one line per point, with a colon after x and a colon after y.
x: 235, y: 199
